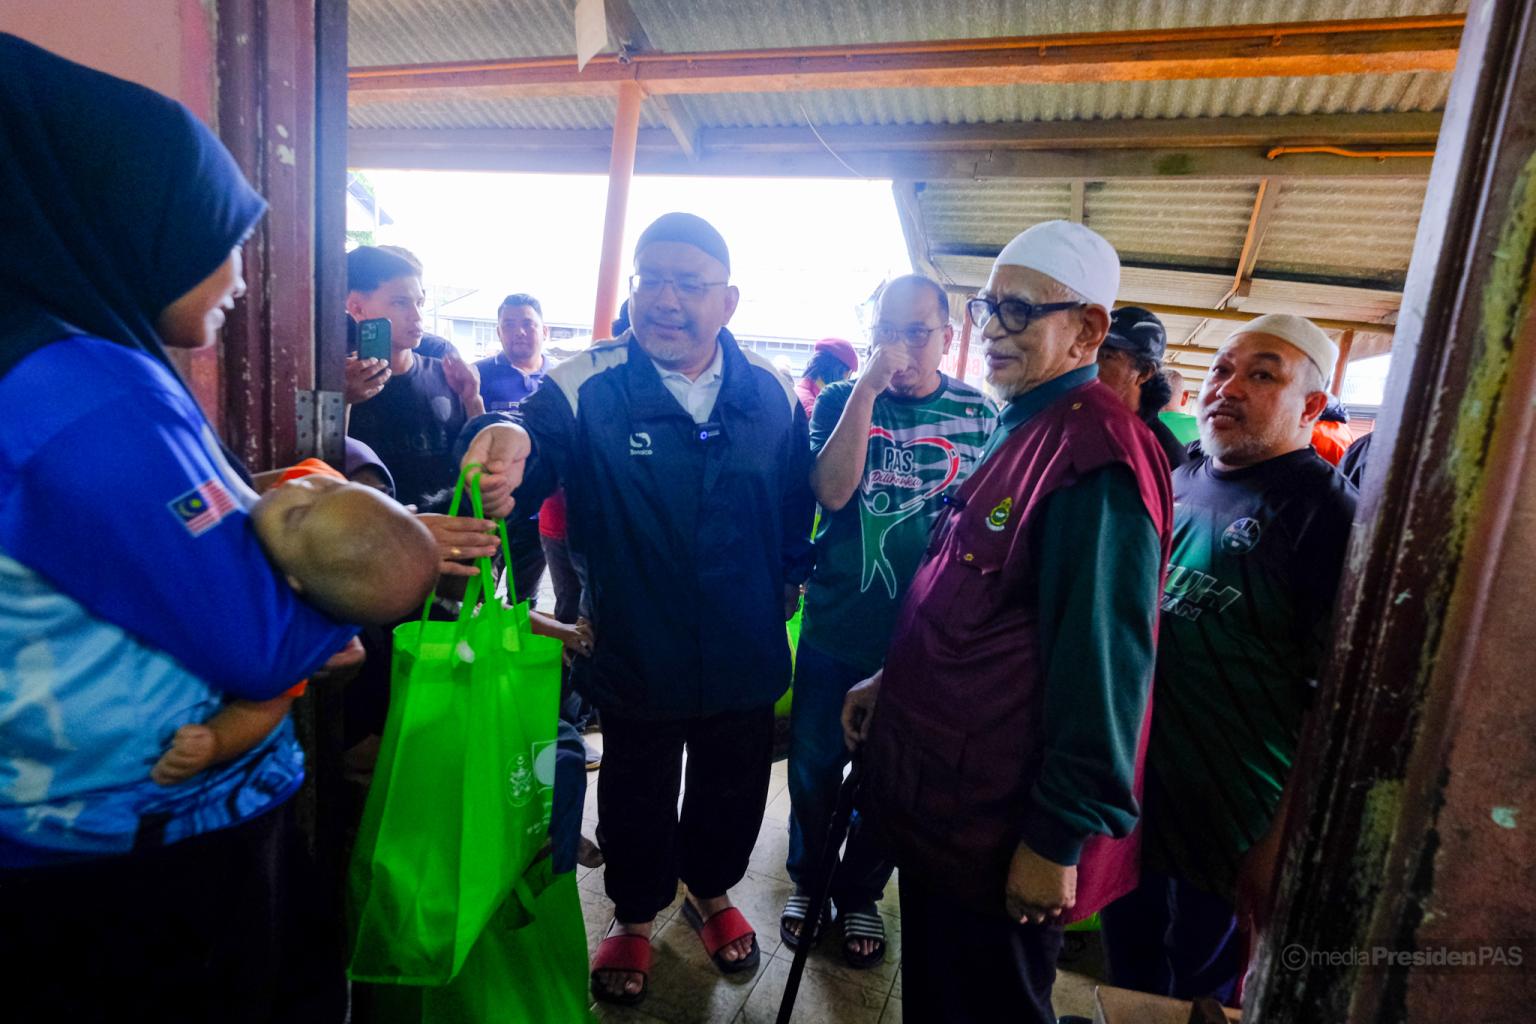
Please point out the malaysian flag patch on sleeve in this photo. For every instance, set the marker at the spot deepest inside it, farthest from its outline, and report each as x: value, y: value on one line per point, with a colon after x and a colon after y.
x: 202, y: 508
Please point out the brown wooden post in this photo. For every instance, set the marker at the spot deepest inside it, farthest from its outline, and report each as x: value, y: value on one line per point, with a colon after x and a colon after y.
x: 330, y: 233
x: 621, y: 167
x: 1346, y: 342
x: 1416, y: 777
x: 266, y: 58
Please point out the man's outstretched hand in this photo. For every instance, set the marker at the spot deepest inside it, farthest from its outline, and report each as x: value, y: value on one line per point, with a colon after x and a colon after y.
x: 502, y: 451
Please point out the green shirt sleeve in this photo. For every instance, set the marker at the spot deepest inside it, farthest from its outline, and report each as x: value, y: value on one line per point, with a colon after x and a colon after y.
x: 828, y: 410
x: 1100, y: 563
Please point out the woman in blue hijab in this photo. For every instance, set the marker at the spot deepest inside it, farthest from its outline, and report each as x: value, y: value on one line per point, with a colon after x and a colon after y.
x: 134, y: 597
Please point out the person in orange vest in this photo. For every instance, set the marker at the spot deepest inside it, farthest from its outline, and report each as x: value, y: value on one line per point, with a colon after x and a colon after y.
x: 1331, y: 436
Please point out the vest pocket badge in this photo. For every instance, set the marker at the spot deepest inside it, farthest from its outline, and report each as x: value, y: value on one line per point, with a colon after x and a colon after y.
x: 998, y: 517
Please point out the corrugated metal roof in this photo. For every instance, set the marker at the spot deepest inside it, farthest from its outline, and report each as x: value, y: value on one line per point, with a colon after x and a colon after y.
x: 429, y: 31
x: 422, y: 31
x: 990, y: 212
x: 1361, y: 229
x: 1358, y: 229
x: 679, y: 25
x: 704, y: 25
x: 1188, y: 223
x: 1231, y: 97
x: 551, y: 112
x: 1176, y: 288
x: 1335, y: 302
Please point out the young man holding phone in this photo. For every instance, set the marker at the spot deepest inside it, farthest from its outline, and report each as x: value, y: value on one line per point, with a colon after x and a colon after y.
x: 410, y: 409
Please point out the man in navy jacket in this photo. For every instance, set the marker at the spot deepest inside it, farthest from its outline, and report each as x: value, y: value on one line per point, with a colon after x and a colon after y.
x: 686, y: 465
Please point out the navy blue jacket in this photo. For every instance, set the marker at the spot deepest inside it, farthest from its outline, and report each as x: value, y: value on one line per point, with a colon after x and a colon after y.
x: 689, y: 531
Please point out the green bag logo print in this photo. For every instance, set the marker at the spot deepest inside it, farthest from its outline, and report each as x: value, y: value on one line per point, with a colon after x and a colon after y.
x: 519, y: 781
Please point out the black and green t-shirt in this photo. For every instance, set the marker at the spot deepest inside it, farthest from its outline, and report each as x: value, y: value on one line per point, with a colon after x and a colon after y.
x: 866, y: 552
x: 411, y: 425
x: 1257, y: 554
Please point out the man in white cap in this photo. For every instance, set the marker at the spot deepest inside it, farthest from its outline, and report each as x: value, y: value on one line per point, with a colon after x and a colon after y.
x: 1003, y: 759
x: 1261, y: 523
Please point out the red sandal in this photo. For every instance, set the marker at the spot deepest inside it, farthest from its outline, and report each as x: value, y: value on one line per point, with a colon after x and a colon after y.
x: 622, y: 952
x: 722, y: 929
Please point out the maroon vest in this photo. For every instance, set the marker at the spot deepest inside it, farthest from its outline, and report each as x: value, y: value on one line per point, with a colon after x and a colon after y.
x: 955, y: 746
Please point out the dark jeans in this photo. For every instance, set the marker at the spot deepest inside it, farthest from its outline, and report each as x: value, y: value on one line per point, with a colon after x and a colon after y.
x: 959, y: 967
x: 227, y: 926
x: 645, y: 841
x: 526, y: 558
x: 817, y: 755
x: 574, y: 708
x: 563, y: 577
x: 570, y: 797
x: 1171, y: 939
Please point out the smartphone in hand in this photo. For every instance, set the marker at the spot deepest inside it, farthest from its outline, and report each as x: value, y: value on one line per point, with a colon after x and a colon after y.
x: 373, y: 339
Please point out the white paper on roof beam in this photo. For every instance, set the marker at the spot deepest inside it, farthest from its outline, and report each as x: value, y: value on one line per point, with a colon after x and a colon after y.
x: 591, y: 31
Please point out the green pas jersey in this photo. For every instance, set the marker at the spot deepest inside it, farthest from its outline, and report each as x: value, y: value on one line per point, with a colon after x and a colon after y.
x: 866, y: 552
x: 1247, y: 606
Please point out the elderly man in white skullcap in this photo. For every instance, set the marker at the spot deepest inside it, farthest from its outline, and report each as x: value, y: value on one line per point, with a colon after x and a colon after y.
x: 1003, y: 763
x: 1261, y: 523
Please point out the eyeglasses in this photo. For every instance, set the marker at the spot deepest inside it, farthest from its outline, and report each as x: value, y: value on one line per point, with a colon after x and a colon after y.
x: 915, y: 336
x: 686, y: 287
x: 1015, y: 314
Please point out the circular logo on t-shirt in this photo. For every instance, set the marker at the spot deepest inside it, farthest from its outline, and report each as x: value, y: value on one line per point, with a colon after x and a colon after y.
x: 1241, y: 536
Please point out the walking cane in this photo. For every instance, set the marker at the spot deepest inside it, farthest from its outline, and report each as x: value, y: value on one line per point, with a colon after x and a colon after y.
x: 837, y: 831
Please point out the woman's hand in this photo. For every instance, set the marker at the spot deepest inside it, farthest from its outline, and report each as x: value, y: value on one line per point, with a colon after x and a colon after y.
x: 460, y: 541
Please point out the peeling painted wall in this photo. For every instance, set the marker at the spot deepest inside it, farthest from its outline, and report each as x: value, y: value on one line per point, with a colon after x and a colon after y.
x: 164, y: 44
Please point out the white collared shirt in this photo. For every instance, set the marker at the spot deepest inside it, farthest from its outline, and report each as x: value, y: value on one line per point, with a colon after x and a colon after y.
x: 697, y: 395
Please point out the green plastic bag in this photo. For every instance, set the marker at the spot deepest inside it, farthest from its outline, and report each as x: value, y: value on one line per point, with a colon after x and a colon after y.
x: 792, y: 629
x: 463, y: 789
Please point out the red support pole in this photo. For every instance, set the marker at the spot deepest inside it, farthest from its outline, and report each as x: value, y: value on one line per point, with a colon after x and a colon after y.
x: 621, y: 167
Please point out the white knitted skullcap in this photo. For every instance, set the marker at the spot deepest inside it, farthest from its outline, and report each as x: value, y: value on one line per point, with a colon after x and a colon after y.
x: 1297, y: 330
x: 1076, y: 256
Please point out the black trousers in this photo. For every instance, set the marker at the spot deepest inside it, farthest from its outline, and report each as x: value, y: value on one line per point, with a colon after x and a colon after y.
x: 647, y: 843
x: 959, y: 967
x: 227, y: 926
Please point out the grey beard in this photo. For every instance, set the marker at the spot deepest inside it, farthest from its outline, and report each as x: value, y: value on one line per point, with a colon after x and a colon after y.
x: 669, y: 353
x: 1001, y: 394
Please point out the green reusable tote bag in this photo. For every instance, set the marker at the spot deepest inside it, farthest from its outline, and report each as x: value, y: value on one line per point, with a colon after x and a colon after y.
x: 530, y: 965
x: 462, y: 792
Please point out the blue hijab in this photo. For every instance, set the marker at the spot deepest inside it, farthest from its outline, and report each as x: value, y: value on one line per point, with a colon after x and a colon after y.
x: 114, y: 201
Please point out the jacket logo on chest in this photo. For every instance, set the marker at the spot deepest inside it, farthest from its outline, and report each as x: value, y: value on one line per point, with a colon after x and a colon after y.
x: 998, y: 517
x: 640, y: 443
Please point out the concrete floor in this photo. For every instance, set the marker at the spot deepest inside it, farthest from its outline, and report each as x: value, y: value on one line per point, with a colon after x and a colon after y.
x: 686, y: 988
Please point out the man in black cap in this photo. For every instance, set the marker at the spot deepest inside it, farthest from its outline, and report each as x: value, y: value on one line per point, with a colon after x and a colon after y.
x: 686, y: 466
x: 1130, y: 364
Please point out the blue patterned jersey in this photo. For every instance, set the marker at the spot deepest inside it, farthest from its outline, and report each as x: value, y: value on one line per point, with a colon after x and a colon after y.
x: 134, y: 599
